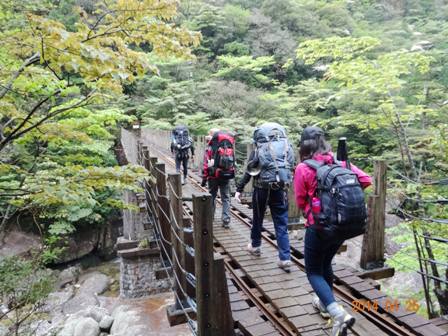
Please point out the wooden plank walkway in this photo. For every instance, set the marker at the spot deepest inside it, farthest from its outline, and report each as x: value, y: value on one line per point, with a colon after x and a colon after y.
x: 290, y: 293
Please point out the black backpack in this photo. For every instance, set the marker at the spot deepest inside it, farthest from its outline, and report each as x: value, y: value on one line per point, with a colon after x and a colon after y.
x: 180, y: 139
x: 343, y: 212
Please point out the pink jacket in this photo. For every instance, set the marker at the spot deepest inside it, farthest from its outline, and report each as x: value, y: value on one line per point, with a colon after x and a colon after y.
x: 305, y: 182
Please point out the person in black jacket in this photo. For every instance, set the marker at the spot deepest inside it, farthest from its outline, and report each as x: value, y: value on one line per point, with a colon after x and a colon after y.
x: 277, y: 200
x: 180, y: 149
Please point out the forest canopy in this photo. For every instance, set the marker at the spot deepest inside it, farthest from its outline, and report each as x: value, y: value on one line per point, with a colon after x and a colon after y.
x: 72, y: 72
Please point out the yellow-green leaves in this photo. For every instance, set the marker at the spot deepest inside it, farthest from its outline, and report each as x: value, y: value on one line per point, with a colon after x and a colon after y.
x: 246, y: 68
x: 335, y: 48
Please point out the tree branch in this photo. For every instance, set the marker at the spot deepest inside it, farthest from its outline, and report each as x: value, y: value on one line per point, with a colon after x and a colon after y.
x: 33, y: 59
x: 52, y: 115
x: 14, y: 133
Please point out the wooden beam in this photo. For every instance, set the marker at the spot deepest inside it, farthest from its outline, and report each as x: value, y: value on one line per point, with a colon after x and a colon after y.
x: 377, y: 273
x: 188, y: 236
x: 222, y: 321
x: 163, y: 210
x: 203, y: 246
x: 372, y: 255
x: 145, y: 157
x: 175, y: 199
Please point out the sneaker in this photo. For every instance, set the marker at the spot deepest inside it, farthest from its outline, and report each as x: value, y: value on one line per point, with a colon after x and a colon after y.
x: 341, y: 323
x: 182, y: 180
x: 226, y: 225
x: 256, y: 251
x: 319, y: 306
x: 284, y: 265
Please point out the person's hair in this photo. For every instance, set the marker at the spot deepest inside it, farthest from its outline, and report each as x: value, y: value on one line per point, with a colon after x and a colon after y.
x: 213, y: 131
x: 308, y: 148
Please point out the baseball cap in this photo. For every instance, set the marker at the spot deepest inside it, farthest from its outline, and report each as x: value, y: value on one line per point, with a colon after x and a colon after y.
x: 311, y: 132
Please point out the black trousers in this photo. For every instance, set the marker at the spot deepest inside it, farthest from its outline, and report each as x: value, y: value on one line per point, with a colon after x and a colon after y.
x: 182, y: 161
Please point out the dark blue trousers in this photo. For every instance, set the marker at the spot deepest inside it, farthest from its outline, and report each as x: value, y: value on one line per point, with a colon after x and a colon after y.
x: 318, y: 256
x: 278, y: 204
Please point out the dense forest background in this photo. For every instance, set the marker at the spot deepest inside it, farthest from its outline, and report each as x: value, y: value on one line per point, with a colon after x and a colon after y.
x: 373, y: 71
x: 73, y: 71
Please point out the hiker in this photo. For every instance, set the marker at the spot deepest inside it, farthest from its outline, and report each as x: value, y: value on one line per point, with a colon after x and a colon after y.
x: 271, y: 165
x: 219, y: 169
x: 335, y: 210
x: 181, y: 142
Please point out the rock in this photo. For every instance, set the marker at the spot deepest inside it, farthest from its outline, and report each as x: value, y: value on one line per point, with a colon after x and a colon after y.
x: 106, y: 323
x: 69, y: 327
x: 80, y: 302
x: 3, y: 330
x: 422, y: 45
x: 125, y: 323
x: 56, y: 300
x: 91, y: 284
x: 86, y: 327
x: 94, y: 283
x: 79, y: 244
x: 69, y: 275
x: 19, y: 243
x: 97, y: 313
x: 108, y: 238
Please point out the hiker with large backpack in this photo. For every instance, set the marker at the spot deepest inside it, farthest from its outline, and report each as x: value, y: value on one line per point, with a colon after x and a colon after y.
x: 181, y: 143
x: 219, y: 169
x: 330, y: 193
x: 271, y: 164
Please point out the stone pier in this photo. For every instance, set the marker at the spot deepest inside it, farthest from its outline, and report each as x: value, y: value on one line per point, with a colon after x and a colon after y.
x: 138, y: 273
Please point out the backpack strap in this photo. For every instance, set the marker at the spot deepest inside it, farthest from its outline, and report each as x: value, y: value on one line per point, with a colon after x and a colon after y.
x: 274, y: 158
x: 285, y: 152
x: 314, y: 164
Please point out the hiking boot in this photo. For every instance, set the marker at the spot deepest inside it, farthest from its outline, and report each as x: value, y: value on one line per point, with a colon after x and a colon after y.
x: 320, y: 307
x: 182, y: 180
x: 226, y: 225
x: 285, y: 265
x: 341, y: 323
x: 256, y: 251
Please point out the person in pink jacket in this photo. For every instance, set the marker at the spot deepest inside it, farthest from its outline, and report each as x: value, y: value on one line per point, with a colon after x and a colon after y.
x: 319, y: 252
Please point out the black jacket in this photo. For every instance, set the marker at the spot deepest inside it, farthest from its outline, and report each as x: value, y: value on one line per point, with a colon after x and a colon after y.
x: 246, y: 177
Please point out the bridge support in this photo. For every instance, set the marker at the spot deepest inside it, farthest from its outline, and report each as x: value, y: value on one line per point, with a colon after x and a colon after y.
x: 372, y: 255
x: 214, y: 315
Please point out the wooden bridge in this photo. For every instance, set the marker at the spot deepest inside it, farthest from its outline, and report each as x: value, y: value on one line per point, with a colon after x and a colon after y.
x: 222, y: 290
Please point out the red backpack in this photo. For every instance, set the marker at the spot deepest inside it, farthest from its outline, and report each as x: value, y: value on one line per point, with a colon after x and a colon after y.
x: 222, y: 146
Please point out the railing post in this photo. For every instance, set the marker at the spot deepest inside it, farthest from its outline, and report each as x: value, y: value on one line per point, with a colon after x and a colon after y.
x: 175, y: 193
x: 163, y: 210
x: 203, y: 247
x: 189, y: 260
x: 145, y: 154
x: 139, y: 152
x: 213, y: 307
x: 222, y: 321
x: 372, y: 255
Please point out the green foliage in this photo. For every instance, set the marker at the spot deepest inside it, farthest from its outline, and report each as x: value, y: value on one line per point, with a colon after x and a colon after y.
x: 355, y: 68
x: 64, y: 68
x: 246, y: 69
x: 24, y: 285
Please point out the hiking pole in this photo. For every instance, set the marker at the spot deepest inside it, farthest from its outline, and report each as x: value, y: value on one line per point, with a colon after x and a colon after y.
x: 342, y: 154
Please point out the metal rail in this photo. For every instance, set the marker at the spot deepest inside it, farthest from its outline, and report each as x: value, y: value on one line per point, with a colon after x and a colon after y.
x: 383, y: 320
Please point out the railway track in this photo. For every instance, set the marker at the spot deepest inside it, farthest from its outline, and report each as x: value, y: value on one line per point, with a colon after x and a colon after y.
x: 384, y: 322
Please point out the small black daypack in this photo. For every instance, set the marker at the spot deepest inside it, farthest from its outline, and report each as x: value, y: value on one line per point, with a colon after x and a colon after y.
x: 343, y: 212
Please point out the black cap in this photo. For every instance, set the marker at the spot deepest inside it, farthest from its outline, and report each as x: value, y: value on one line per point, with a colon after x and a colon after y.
x: 311, y: 133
